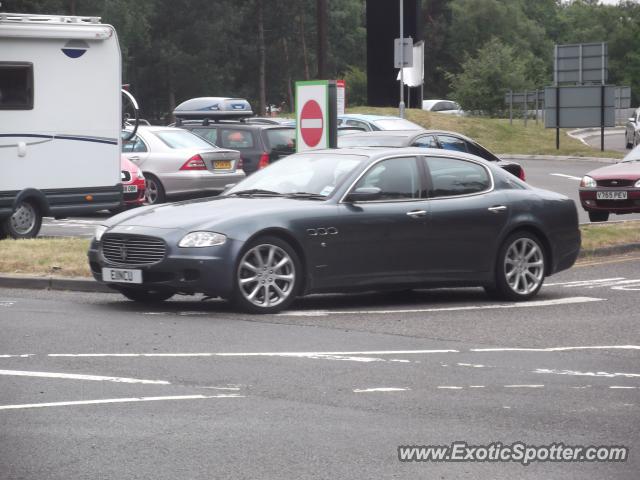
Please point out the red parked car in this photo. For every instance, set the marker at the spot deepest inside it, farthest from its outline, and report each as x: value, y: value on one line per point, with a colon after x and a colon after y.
x: 612, y: 189
x: 133, y: 183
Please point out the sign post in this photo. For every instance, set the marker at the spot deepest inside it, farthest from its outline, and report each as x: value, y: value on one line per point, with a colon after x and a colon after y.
x: 316, y: 115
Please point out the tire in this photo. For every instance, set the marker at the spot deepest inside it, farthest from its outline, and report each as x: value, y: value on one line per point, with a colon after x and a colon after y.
x: 154, y: 193
x: 146, y: 296
x: 25, y: 222
x: 628, y: 144
x: 520, y: 268
x: 598, y: 216
x: 268, y: 276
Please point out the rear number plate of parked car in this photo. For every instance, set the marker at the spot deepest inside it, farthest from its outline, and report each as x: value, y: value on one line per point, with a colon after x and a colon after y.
x: 222, y: 164
x: 130, y: 188
x: 611, y: 195
x: 121, y: 275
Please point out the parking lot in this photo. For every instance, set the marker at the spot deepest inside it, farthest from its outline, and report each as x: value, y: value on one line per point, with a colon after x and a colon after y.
x: 199, y: 389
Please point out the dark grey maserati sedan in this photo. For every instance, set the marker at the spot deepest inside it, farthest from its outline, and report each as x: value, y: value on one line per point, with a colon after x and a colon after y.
x: 344, y: 220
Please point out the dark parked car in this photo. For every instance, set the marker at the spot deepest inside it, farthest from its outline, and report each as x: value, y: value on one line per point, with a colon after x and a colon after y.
x: 338, y: 220
x: 259, y: 144
x: 612, y: 189
x: 428, y: 139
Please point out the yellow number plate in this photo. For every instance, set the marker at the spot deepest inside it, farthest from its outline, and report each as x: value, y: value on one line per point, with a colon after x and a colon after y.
x: 222, y: 164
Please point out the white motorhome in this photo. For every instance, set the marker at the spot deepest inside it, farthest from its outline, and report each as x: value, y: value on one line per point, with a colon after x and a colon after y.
x: 60, y: 119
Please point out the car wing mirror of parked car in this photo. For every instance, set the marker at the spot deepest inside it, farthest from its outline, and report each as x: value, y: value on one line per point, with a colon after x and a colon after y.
x: 632, y: 120
x: 363, y: 194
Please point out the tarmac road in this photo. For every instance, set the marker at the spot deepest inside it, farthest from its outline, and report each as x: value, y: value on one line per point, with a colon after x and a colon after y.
x: 93, y: 386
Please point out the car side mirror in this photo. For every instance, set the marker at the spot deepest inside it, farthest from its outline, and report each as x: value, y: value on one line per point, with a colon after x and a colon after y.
x: 364, y: 194
x: 632, y: 120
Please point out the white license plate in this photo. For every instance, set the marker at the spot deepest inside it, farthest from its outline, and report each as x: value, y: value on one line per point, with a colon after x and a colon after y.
x: 121, y: 275
x: 611, y: 195
x: 130, y: 188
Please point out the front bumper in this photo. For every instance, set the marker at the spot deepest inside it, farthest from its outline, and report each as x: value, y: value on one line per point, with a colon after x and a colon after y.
x: 589, y: 201
x: 208, y: 270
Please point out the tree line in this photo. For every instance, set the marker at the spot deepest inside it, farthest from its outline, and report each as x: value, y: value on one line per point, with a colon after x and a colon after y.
x: 475, y: 50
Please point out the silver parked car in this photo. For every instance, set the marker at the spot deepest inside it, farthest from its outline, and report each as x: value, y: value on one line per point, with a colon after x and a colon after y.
x: 178, y: 163
x: 632, y: 130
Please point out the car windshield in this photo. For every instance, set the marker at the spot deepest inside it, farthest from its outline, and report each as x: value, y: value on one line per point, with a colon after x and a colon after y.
x: 372, y: 141
x: 178, y: 139
x: 633, y: 155
x: 282, y: 138
x: 396, y: 124
x: 317, y: 174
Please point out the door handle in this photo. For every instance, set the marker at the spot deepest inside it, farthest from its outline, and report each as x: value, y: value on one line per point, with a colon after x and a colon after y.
x: 134, y: 159
x: 497, y: 209
x: 417, y: 213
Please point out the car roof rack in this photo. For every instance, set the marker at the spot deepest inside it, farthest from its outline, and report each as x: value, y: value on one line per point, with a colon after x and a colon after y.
x: 207, y: 109
x: 49, y: 19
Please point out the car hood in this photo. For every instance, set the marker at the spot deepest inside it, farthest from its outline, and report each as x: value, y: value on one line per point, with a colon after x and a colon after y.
x: 622, y: 170
x: 201, y: 214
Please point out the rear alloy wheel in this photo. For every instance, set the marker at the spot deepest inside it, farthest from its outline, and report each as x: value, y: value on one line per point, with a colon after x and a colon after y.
x: 267, y: 276
x: 146, y: 296
x: 598, y: 216
x: 154, y: 192
x: 520, y: 268
x: 25, y: 221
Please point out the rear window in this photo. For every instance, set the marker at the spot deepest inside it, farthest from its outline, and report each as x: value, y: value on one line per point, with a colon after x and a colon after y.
x: 235, y: 138
x: 181, y: 139
x: 16, y: 86
x: 209, y: 134
x: 281, y: 139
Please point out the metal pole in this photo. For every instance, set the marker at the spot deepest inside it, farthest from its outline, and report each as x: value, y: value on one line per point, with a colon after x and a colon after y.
x: 557, y: 117
x: 537, y: 106
x: 524, y: 108
x: 510, y: 107
x: 401, y: 106
x: 602, y: 104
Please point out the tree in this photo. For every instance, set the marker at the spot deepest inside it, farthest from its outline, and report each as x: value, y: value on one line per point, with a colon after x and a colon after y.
x: 486, y: 77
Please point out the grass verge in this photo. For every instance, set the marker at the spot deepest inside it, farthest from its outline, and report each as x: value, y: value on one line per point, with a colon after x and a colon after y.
x: 498, y: 135
x: 67, y: 257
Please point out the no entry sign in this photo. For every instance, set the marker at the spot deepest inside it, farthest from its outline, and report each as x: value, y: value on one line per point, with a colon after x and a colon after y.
x: 311, y: 123
x: 316, y: 117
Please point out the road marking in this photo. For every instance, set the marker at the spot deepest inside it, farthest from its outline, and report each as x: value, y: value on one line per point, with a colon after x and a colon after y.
x: 557, y: 349
x: 524, y: 386
x: 585, y: 283
x: 116, y: 400
x: 24, y: 355
x: 380, y: 389
x: 566, y: 176
x: 255, y: 354
x: 625, y: 388
x: 7, y: 304
x: 71, y: 376
x: 531, y: 304
x: 449, y: 387
x: 586, y: 374
x: 472, y: 365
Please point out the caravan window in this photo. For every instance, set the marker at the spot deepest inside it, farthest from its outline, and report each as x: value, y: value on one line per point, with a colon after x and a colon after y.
x: 16, y: 86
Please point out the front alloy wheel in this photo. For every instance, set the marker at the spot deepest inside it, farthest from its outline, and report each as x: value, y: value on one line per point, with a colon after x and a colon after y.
x: 521, y: 267
x: 25, y: 222
x: 267, y: 276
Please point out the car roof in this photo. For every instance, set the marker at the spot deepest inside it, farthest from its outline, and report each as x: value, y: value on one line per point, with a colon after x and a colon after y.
x: 234, y: 124
x: 366, y: 116
x: 408, y: 133
x: 375, y: 153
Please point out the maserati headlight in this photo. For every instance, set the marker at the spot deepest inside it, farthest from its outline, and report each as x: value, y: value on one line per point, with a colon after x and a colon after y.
x: 140, y: 174
x: 637, y: 184
x: 588, y: 182
x: 202, y: 239
x: 100, y: 229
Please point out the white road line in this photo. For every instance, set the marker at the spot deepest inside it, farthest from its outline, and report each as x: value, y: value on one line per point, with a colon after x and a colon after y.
x: 586, y: 374
x: 380, y: 389
x: 472, y: 365
x: 255, y: 354
x: 531, y: 304
x: 524, y: 386
x: 623, y: 388
x: 449, y: 387
x: 24, y: 355
x: 566, y: 176
x: 72, y: 376
x: 557, y: 349
x: 7, y: 304
x: 585, y: 283
x: 115, y: 400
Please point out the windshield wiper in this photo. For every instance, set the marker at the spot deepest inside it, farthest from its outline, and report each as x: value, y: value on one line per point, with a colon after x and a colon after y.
x: 310, y: 196
x: 256, y: 191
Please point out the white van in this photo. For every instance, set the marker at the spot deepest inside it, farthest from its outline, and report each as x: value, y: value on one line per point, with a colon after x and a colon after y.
x: 60, y: 119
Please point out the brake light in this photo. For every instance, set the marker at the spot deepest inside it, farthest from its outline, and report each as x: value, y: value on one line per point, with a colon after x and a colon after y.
x: 521, y: 175
x: 194, y: 163
x: 240, y: 164
x: 264, y: 161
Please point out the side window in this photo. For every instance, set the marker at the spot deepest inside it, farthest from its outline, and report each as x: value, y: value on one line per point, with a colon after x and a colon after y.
x: 134, y: 145
x: 356, y: 123
x: 428, y: 141
x: 452, y: 176
x: 235, y: 138
x: 209, y: 134
x: 397, y: 178
x: 452, y: 143
x: 16, y: 86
